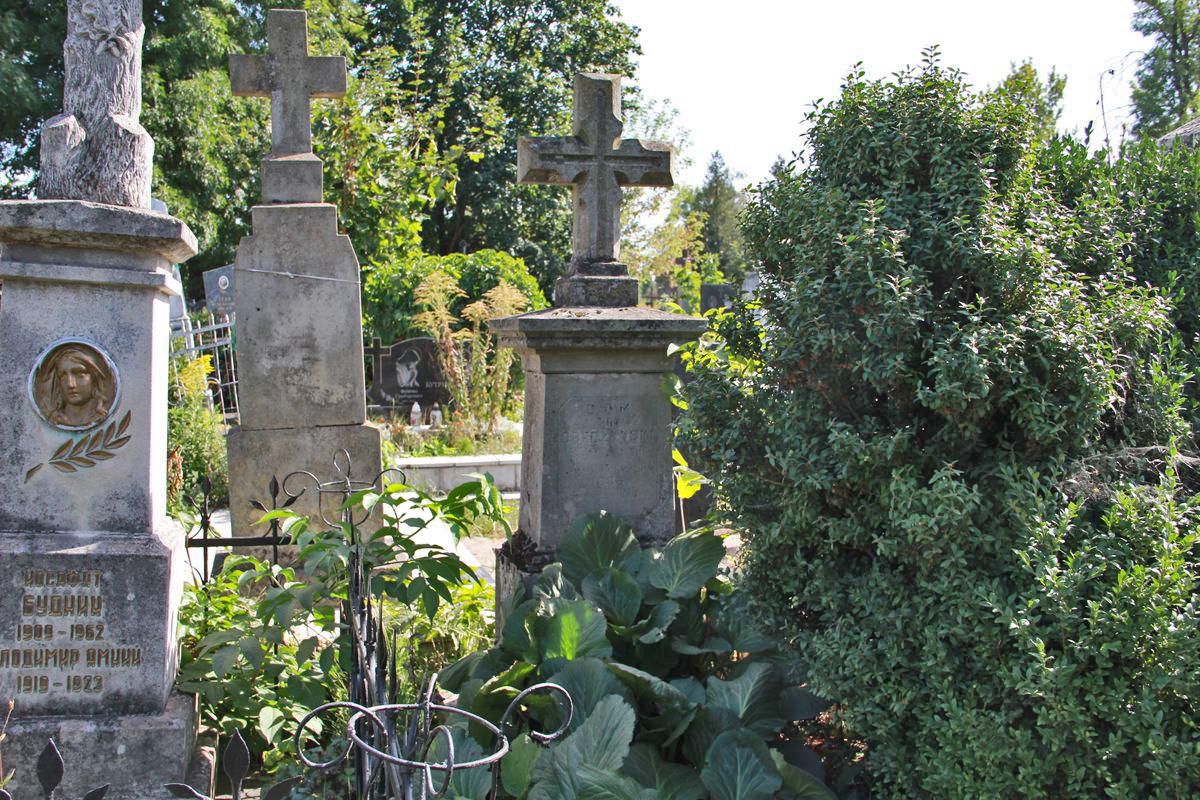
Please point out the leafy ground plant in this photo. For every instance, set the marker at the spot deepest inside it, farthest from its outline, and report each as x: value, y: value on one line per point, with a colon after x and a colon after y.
x: 676, y: 694
x: 264, y: 644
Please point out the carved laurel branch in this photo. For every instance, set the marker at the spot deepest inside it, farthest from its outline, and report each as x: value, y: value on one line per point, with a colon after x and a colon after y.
x: 76, y: 454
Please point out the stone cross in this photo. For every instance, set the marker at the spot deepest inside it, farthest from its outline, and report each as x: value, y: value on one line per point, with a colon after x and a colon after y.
x: 596, y: 163
x: 290, y: 77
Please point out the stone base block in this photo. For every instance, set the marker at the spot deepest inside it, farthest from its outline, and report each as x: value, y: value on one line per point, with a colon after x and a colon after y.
x: 136, y: 755
x: 87, y: 621
x: 607, y: 291
x: 292, y: 179
x: 257, y: 455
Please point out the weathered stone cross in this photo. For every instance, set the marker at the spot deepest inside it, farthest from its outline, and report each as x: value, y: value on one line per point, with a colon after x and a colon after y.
x: 596, y: 163
x: 290, y: 77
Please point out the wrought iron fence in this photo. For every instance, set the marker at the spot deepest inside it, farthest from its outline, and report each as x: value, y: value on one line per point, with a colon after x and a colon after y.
x: 212, y: 335
x: 388, y: 743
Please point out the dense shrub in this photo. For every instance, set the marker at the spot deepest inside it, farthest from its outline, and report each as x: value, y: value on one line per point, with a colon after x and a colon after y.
x: 389, y: 301
x: 1146, y: 200
x: 948, y: 437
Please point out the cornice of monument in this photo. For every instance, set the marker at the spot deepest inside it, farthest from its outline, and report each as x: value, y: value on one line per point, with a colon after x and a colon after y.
x: 82, y: 223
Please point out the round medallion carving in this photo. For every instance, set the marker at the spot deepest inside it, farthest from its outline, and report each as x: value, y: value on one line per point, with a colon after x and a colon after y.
x: 74, y: 385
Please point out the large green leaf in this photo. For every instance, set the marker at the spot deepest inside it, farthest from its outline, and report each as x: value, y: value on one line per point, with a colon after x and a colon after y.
x: 739, y: 767
x: 600, y: 784
x: 552, y: 584
x: 703, y: 730
x: 617, y: 594
x: 675, y: 710
x: 668, y: 781
x: 804, y: 785
x: 470, y: 784
x: 654, y: 627
x: 516, y: 768
x: 594, y: 543
x: 576, y: 630
x: 588, y: 681
x: 753, y: 697
x: 602, y: 741
x: 799, y: 704
x: 686, y: 564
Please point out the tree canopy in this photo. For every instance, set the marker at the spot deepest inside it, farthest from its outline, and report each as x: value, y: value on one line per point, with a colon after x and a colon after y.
x: 1168, y: 74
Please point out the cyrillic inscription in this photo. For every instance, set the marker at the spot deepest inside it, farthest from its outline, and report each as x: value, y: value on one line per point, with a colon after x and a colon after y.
x: 60, y: 640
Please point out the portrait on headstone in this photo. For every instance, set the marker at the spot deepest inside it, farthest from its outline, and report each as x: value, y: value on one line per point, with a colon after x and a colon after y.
x: 406, y: 372
x: 74, y: 385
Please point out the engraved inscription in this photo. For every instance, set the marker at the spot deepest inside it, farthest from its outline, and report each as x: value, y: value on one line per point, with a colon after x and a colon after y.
x: 60, y: 639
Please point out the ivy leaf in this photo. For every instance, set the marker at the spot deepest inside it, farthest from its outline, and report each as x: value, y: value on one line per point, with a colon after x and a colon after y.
x: 738, y: 767
x: 223, y: 661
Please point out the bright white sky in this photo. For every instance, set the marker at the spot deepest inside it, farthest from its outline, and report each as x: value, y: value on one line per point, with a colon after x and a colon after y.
x: 743, y: 73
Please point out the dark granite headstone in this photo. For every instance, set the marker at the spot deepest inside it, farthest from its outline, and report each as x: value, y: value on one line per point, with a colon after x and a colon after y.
x: 218, y: 290
x: 405, y: 373
x: 716, y: 295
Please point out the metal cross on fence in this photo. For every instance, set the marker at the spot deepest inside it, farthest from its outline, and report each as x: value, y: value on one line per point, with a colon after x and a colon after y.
x: 596, y: 163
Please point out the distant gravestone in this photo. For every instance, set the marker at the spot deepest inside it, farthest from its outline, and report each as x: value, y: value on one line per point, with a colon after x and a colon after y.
x: 716, y: 295
x: 218, y: 290
x: 405, y: 373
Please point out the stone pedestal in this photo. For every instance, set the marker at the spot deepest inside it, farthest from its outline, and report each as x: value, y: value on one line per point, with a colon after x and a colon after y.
x: 301, y: 386
x: 91, y: 568
x: 597, y: 417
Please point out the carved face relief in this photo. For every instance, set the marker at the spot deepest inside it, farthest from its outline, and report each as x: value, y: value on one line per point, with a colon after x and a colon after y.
x: 74, y: 386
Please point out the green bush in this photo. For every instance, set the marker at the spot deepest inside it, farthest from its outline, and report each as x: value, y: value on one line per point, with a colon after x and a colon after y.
x: 948, y: 436
x: 195, y: 434
x: 1146, y: 202
x: 675, y: 693
x: 389, y: 302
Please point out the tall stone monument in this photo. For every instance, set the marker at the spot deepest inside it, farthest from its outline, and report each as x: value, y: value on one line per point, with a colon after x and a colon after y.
x: 91, y: 568
x: 597, y: 421
x: 299, y: 347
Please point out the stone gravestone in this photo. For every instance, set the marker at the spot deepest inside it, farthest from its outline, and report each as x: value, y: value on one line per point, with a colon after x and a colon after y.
x: 91, y: 567
x: 597, y: 423
x: 407, y: 372
x: 299, y: 321
x: 716, y: 295
x: 218, y: 290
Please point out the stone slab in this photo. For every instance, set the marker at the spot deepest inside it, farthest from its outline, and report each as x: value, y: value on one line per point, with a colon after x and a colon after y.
x: 87, y: 622
x: 596, y: 290
x: 299, y: 343
x: 135, y: 755
x: 123, y: 488
x: 257, y: 455
x: 597, y: 420
x: 596, y: 442
x: 80, y: 223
